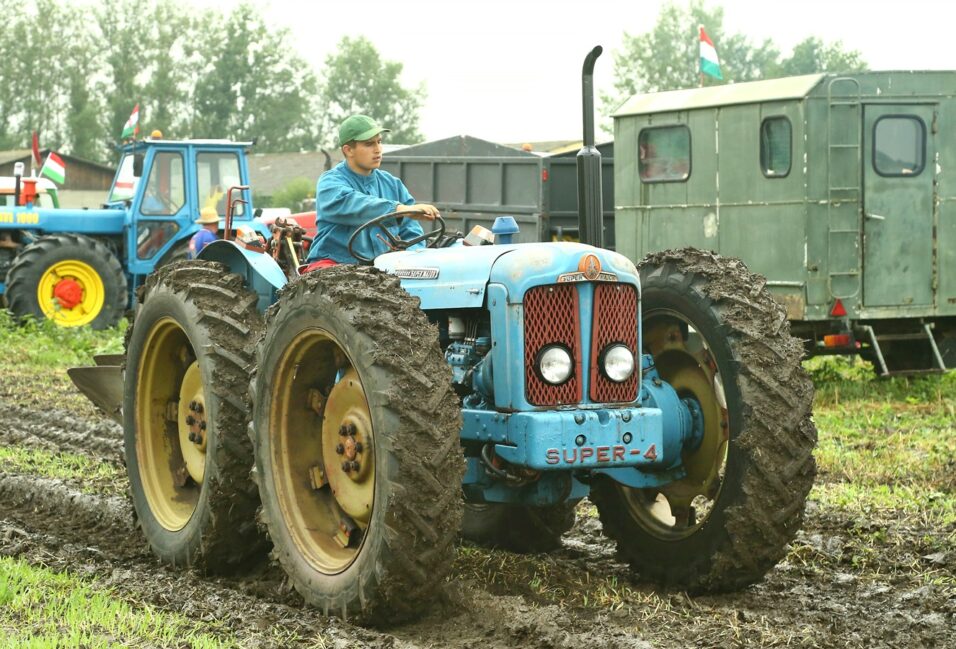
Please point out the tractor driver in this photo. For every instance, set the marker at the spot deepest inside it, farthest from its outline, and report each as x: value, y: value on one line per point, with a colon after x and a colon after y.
x: 356, y: 191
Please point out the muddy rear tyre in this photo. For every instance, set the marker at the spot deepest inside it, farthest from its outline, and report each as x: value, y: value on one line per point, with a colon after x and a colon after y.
x: 516, y: 527
x: 358, y: 457
x: 185, y: 414
x: 718, y: 335
x: 50, y: 263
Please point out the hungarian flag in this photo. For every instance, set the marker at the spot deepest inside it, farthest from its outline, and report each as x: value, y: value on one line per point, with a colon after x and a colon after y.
x: 54, y: 169
x: 132, y: 124
x: 709, y: 64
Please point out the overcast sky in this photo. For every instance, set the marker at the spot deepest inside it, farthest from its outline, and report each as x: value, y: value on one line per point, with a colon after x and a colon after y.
x: 510, y: 70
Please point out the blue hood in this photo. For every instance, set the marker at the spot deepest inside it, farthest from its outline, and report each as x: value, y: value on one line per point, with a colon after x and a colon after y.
x: 457, y: 277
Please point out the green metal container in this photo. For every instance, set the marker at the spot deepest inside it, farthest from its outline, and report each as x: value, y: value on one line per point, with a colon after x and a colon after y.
x: 840, y: 190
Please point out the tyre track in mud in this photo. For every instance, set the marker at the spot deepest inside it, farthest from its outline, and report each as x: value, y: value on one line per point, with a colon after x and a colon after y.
x: 60, y: 430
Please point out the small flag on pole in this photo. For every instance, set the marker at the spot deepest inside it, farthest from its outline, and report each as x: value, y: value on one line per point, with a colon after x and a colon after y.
x: 54, y: 169
x: 132, y: 125
x: 709, y: 64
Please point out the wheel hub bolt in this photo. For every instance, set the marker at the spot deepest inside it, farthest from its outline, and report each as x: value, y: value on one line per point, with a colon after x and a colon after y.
x: 343, y: 430
x: 192, y: 405
x: 199, y: 408
x: 190, y: 420
x: 198, y: 438
x: 202, y: 425
x: 358, y: 447
x: 351, y: 430
x: 346, y: 466
x: 192, y: 437
x: 340, y: 449
x: 355, y: 465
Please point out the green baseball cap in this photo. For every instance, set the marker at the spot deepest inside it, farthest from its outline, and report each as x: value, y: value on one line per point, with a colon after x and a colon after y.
x: 359, y: 128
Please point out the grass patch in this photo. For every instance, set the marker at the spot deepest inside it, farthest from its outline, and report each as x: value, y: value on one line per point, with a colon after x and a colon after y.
x: 37, y: 354
x: 96, y: 476
x: 40, y: 608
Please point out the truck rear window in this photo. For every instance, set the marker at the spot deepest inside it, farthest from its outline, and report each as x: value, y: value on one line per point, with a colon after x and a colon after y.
x: 664, y: 154
x: 899, y: 145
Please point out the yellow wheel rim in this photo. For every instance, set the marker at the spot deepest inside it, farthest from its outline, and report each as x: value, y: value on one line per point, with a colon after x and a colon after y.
x: 684, y: 359
x: 93, y: 293
x: 171, y: 467
x: 322, y: 460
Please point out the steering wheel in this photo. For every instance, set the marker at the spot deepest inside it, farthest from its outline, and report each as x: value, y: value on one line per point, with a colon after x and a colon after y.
x: 390, y: 239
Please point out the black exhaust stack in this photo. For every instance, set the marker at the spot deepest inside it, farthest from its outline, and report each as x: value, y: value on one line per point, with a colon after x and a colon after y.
x: 590, y: 207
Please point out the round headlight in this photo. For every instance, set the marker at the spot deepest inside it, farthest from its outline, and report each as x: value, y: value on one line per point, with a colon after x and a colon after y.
x: 618, y: 363
x: 555, y: 364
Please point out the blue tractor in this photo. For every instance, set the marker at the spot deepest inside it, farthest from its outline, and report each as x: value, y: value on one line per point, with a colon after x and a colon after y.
x: 361, y: 418
x: 82, y: 267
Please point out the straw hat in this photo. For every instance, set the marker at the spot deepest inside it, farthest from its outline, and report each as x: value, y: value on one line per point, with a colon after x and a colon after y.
x: 208, y: 215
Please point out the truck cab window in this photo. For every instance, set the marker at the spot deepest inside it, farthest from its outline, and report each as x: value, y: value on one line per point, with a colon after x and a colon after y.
x: 664, y: 154
x: 124, y: 185
x: 775, y: 147
x: 215, y: 174
x: 165, y: 190
x: 899, y: 145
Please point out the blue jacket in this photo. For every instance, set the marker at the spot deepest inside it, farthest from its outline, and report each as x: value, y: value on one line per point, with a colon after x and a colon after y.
x: 345, y: 200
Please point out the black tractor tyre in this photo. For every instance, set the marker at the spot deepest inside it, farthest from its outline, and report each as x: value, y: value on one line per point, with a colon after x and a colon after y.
x: 518, y: 528
x: 196, y: 322
x: 36, y: 259
x: 354, y: 331
x: 767, y: 462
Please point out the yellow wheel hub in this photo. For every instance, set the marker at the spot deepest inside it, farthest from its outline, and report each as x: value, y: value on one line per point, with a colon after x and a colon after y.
x: 192, y: 423
x: 322, y: 461
x: 71, y: 293
x: 171, y: 467
x: 685, y: 361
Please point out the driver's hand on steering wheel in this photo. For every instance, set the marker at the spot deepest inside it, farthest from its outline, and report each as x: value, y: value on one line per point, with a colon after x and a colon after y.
x: 427, y: 212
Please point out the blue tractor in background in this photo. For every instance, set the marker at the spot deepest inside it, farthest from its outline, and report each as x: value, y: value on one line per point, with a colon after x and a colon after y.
x: 82, y: 267
x: 360, y: 418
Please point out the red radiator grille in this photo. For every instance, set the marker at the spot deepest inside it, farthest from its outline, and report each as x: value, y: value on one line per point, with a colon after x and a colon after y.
x: 615, y: 321
x: 551, y: 317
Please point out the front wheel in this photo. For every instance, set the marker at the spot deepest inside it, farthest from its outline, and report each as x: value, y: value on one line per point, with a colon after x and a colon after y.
x: 70, y: 279
x: 356, y: 431
x: 717, y: 335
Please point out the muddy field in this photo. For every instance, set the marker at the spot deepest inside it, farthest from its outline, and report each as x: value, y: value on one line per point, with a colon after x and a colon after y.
x: 850, y: 580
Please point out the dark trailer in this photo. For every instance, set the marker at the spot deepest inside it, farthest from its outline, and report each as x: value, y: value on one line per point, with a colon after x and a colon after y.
x: 473, y: 181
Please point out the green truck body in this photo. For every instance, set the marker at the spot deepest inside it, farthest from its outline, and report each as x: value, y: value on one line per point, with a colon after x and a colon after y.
x: 839, y: 189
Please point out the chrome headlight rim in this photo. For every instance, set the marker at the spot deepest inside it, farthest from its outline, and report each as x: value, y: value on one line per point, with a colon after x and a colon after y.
x: 539, y: 359
x: 603, y: 362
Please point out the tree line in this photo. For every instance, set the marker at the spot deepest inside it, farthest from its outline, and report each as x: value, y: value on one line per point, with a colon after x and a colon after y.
x: 75, y: 73
x: 666, y: 57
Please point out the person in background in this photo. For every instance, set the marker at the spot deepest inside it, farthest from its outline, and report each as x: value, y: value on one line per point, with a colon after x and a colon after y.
x: 356, y: 191
x: 209, y: 232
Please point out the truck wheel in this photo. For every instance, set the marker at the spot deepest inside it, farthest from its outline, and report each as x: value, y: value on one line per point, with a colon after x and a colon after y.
x: 717, y: 334
x: 358, y: 457
x: 70, y: 279
x: 185, y: 414
x: 516, y: 527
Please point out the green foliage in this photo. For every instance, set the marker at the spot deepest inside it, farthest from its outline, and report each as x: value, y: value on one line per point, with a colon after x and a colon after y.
x: 667, y: 57
x: 44, y: 344
x: 75, y: 73
x: 42, y: 608
x: 357, y: 80
x: 293, y: 193
x: 813, y: 55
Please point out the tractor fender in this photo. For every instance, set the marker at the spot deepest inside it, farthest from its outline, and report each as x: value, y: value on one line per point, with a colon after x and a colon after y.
x: 260, y: 271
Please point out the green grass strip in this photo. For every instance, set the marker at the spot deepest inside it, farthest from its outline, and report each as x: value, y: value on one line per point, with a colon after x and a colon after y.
x: 40, y: 608
x: 62, y: 465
